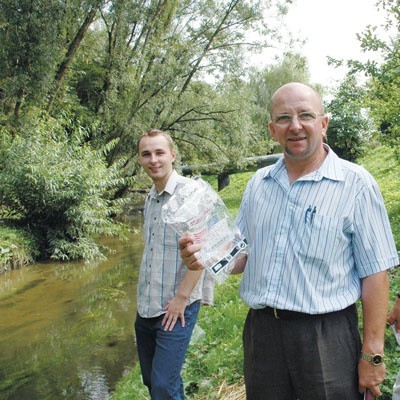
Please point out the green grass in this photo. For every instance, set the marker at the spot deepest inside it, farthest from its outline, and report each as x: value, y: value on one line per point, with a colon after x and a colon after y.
x: 218, y: 357
x: 17, y: 248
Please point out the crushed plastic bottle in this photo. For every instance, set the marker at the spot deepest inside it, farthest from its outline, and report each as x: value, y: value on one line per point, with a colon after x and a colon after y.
x: 197, y: 209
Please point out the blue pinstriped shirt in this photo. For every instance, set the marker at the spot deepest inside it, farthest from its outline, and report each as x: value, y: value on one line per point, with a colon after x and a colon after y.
x: 162, y: 269
x: 311, y: 242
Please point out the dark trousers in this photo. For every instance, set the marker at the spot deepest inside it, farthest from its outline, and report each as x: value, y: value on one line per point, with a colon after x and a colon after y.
x: 301, y: 357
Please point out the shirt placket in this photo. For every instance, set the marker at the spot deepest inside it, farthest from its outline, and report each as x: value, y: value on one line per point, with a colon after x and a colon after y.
x: 153, y: 247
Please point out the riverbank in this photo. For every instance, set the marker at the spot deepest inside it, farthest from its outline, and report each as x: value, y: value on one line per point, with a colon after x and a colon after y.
x: 17, y: 248
x: 213, y: 368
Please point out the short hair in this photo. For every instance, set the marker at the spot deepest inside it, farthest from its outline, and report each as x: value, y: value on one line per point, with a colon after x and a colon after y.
x: 153, y: 133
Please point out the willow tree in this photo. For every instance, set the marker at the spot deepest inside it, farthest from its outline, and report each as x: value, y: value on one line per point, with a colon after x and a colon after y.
x: 164, y: 61
x: 121, y: 66
x: 38, y: 38
x: 262, y: 85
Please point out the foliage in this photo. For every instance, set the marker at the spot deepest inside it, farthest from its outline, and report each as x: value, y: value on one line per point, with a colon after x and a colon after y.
x: 58, y: 188
x: 223, y: 325
x: 383, y: 85
x: 382, y: 163
x: 34, y: 36
x: 128, y: 65
x: 17, y: 248
x: 348, y: 128
x: 263, y: 84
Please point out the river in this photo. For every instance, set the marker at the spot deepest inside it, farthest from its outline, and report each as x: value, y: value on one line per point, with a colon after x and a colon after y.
x: 66, y: 329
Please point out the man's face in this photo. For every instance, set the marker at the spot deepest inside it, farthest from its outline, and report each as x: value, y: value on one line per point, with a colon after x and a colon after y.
x: 156, y: 158
x: 301, y: 137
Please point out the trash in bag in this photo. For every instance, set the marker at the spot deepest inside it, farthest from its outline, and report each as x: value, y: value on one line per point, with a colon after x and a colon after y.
x: 197, y: 209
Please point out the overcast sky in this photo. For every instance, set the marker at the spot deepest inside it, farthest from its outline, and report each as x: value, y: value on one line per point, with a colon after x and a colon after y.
x: 330, y: 28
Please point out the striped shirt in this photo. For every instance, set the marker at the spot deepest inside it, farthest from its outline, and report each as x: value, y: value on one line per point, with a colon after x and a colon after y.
x: 310, y: 242
x: 162, y: 269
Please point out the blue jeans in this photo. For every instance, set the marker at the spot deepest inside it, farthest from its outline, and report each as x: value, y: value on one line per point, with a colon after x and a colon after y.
x: 162, y: 353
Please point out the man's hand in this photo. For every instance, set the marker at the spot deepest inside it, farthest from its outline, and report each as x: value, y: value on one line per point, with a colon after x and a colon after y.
x: 370, y: 376
x: 394, y: 315
x: 189, y: 252
x: 175, y: 310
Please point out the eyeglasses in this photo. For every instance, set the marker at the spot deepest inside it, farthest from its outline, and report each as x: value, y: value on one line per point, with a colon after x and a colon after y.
x: 304, y: 118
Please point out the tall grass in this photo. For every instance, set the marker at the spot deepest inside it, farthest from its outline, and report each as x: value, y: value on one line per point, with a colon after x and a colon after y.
x: 214, y: 362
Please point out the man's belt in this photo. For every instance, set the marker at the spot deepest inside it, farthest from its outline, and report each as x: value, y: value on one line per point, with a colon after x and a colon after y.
x: 286, y: 314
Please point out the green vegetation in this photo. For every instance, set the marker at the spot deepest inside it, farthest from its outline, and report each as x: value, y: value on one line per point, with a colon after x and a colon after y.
x: 79, y: 81
x: 216, y: 361
x: 382, y: 162
x: 58, y: 191
x: 17, y: 248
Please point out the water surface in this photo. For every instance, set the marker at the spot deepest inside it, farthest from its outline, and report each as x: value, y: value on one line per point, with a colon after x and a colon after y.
x: 66, y: 329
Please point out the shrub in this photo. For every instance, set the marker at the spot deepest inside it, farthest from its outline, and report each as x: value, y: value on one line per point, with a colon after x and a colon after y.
x: 57, y: 187
x: 17, y: 248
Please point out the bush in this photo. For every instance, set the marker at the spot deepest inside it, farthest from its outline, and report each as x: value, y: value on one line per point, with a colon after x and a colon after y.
x: 58, y: 188
x: 17, y: 248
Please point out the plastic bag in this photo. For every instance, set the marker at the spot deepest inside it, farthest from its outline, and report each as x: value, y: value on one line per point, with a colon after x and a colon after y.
x: 196, y: 208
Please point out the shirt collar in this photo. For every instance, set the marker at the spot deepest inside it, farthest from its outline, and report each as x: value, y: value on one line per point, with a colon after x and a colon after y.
x: 329, y: 169
x: 169, y: 187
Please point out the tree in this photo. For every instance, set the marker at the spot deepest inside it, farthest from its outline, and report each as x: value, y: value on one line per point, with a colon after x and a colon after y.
x: 262, y: 84
x: 383, y: 85
x: 127, y: 65
x: 158, y: 55
x: 348, y: 127
x: 34, y: 36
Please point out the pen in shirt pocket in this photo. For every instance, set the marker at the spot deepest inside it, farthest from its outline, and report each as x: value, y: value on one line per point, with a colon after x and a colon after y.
x: 310, y: 211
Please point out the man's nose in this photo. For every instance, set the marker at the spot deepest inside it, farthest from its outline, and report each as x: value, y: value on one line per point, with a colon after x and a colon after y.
x: 295, y: 122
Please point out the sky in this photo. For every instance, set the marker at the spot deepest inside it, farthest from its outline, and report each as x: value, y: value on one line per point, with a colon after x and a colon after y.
x: 330, y: 28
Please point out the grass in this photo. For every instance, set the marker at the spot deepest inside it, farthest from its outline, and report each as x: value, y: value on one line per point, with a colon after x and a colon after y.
x: 17, y: 248
x: 213, y: 368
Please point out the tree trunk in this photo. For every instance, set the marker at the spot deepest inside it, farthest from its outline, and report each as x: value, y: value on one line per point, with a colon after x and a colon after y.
x: 73, y: 47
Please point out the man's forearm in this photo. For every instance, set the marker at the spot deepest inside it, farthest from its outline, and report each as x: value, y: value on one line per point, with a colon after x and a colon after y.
x: 375, y: 302
x: 188, y: 283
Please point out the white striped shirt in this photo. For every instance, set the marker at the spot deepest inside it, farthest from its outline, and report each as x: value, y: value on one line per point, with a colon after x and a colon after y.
x: 311, y: 242
x: 162, y: 269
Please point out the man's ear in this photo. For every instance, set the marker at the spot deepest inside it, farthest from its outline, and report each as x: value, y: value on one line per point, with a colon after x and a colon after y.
x: 271, y: 128
x: 325, y: 123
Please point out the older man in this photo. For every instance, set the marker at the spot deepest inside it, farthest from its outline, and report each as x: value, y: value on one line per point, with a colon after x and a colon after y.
x: 319, y: 239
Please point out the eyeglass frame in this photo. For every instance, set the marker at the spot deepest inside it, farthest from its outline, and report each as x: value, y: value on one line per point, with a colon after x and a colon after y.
x: 313, y: 114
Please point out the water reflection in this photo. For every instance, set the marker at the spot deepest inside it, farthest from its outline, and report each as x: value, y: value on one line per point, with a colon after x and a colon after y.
x: 66, y: 330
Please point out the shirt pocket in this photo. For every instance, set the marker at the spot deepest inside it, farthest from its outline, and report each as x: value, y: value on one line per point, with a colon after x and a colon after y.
x: 319, y: 237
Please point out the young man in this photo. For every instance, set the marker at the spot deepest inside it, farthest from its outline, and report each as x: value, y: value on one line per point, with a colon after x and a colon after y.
x: 169, y: 295
x: 319, y: 239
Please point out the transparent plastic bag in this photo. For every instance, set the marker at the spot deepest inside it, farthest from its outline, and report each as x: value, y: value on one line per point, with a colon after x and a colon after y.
x: 197, y: 209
